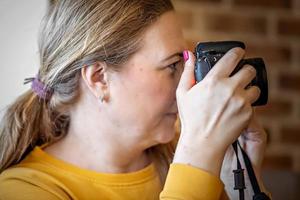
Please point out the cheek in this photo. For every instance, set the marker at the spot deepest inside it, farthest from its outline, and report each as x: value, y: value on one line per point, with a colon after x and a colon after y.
x: 159, y: 86
x: 151, y: 84
x: 144, y: 92
x: 161, y: 94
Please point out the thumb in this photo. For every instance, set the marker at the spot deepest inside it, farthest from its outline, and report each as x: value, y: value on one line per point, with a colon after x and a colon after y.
x: 187, y: 79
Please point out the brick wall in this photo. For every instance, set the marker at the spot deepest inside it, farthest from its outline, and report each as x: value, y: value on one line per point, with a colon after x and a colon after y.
x: 270, y: 29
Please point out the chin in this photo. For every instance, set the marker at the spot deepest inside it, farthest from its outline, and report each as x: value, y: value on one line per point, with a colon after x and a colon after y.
x: 165, y: 132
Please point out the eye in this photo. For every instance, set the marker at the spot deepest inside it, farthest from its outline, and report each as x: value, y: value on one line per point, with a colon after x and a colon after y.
x: 174, y: 66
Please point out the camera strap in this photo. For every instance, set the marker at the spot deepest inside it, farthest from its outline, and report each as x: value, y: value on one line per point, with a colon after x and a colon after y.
x: 239, y: 179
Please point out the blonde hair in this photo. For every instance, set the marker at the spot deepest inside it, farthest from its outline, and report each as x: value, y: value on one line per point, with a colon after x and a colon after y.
x: 76, y: 33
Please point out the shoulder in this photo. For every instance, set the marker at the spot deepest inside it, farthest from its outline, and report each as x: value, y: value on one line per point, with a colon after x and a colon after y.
x: 26, y: 184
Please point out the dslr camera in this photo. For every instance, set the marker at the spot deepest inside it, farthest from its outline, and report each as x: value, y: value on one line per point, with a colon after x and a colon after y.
x: 208, y: 53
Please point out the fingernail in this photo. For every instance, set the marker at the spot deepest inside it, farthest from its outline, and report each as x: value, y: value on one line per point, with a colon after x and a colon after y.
x: 185, y: 55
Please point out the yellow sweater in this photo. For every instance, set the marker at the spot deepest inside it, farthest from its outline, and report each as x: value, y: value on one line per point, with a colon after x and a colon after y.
x: 41, y: 176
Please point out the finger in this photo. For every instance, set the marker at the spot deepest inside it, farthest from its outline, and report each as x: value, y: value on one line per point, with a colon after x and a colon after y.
x: 225, y: 66
x: 244, y: 76
x: 252, y: 94
x: 187, y: 78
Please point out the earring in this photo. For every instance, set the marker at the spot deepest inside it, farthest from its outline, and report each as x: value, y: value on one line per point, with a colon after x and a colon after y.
x: 103, y: 97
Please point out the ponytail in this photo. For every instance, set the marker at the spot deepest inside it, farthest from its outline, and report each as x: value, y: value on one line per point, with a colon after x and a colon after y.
x: 26, y: 123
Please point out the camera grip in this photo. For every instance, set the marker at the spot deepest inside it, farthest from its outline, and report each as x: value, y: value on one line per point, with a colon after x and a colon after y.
x: 201, y: 69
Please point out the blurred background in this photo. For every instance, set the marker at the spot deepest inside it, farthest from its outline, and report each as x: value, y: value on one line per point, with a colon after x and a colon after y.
x: 269, y: 28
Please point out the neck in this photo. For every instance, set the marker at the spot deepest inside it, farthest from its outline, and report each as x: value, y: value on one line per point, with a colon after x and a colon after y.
x: 99, y: 152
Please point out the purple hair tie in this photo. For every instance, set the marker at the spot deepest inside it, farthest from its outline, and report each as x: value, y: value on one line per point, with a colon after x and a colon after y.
x: 39, y: 88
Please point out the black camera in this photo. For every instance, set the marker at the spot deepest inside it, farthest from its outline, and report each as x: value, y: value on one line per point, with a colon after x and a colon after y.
x: 208, y: 53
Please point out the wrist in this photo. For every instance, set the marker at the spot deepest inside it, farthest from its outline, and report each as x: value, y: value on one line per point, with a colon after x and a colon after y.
x: 202, y: 155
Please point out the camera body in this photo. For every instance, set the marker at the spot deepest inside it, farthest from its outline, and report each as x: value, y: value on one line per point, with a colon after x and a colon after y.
x: 209, y: 53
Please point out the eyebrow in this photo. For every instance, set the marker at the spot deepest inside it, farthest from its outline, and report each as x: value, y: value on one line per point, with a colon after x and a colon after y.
x: 173, y: 55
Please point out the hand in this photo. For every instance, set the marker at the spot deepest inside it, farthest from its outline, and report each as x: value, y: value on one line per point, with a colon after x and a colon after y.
x: 253, y: 141
x: 213, y: 112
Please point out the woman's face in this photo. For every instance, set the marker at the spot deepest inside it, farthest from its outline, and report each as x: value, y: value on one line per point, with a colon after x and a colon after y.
x: 143, y: 93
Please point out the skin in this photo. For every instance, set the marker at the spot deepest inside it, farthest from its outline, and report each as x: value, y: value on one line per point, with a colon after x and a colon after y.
x: 141, y: 102
x: 139, y: 110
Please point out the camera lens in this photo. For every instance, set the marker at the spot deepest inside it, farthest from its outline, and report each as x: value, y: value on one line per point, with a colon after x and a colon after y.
x: 260, y: 79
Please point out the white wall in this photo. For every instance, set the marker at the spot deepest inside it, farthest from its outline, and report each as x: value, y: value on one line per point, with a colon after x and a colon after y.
x: 19, y: 24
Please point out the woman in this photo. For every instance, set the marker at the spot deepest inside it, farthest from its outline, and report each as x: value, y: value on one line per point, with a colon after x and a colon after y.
x: 98, y: 122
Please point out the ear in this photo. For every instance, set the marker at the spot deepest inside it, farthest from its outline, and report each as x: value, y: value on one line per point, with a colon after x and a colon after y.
x: 96, y: 79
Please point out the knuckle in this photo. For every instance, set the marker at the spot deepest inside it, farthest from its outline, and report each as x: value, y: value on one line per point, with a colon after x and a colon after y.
x: 240, y: 102
x: 211, y: 82
x: 189, y: 66
x: 228, y: 90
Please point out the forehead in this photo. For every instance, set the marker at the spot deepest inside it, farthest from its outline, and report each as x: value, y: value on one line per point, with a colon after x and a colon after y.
x: 163, y: 38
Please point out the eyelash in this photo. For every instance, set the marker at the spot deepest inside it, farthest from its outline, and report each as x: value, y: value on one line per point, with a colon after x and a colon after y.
x: 173, y: 66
